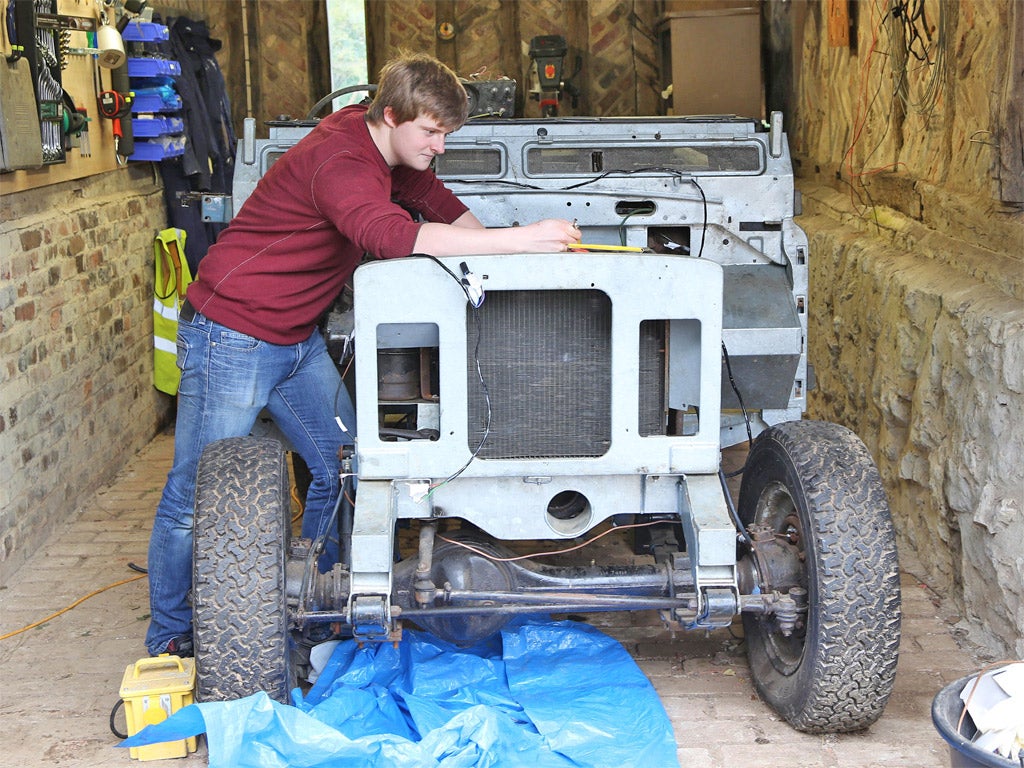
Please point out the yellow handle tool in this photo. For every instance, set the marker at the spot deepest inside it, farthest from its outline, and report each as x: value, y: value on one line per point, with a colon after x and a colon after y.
x: 592, y: 247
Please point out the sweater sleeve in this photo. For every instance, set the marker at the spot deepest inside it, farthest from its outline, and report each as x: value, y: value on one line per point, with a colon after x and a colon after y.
x: 354, y: 194
x: 422, y: 191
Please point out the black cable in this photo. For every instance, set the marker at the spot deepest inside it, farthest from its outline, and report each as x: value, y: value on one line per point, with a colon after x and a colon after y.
x: 615, y: 172
x: 476, y: 359
x: 641, y: 26
x: 442, y: 265
x: 740, y: 530
x: 918, y: 31
x: 320, y: 542
x: 739, y: 397
x: 657, y: 169
x: 704, y: 229
x: 487, y: 402
x: 737, y: 472
x: 113, y: 714
x: 516, y: 184
x: 138, y: 568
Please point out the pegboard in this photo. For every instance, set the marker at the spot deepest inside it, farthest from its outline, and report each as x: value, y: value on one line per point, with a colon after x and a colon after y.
x: 83, y: 79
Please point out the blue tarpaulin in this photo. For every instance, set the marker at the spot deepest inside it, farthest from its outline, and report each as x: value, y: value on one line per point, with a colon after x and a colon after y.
x: 544, y: 694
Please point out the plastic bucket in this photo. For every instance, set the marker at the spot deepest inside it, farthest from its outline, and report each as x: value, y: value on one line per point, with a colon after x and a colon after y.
x: 946, y: 709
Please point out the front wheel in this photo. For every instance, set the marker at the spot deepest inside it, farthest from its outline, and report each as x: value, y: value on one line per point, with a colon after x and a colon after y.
x: 814, y: 491
x: 239, y: 599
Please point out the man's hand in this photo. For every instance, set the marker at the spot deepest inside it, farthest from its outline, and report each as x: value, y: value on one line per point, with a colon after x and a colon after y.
x: 545, y: 235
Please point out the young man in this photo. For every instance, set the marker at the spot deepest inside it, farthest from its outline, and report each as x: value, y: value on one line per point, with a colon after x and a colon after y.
x: 247, y: 337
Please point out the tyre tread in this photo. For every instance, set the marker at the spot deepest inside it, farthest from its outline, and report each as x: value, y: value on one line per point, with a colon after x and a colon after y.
x: 853, y: 664
x: 239, y: 596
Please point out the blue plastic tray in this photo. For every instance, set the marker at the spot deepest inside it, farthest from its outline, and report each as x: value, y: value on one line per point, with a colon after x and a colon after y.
x: 143, y: 127
x: 159, y: 99
x: 140, y: 67
x: 145, y: 32
x: 159, y: 149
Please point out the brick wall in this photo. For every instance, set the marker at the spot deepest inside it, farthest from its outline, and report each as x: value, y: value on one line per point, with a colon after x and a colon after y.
x: 75, y: 346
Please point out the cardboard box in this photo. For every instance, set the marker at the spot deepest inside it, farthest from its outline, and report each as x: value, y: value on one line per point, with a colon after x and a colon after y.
x: 714, y: 56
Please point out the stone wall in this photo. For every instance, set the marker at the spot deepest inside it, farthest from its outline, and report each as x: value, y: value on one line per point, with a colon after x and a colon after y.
x: 916, y: 320
x: 76, y: 307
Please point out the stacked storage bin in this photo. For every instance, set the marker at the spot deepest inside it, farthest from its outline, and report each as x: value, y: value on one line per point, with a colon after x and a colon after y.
x: 156, y: 123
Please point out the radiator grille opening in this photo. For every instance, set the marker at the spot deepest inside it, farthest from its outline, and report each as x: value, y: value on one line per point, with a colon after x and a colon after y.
x: 546, y: 359
x: 652, y: 415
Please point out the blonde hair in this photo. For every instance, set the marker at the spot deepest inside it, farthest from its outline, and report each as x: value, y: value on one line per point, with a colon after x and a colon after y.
x: 418, y: 84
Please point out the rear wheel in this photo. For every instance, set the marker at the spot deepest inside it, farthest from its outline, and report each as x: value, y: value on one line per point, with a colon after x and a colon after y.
x: 240, y: 613
x: 812, y: 489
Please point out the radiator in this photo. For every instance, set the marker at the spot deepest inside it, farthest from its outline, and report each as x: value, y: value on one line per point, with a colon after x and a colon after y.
x: 545, y: 361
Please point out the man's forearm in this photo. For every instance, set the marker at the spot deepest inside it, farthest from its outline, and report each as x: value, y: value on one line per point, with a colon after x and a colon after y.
x: 466, y: 236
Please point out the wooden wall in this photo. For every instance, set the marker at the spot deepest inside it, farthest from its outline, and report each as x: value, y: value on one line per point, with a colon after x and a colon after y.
x: 612, y: 54
x: 288, y: 69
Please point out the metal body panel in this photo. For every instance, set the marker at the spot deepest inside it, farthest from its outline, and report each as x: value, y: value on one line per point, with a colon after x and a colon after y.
x: 640, y: 287
x: 515, y: 508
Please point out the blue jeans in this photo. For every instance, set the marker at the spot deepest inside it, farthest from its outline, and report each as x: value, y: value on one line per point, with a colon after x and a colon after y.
x: 227, y: 379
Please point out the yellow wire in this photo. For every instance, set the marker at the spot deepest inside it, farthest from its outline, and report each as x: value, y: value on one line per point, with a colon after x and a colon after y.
x: 75, y: 604
x: 298, y: 503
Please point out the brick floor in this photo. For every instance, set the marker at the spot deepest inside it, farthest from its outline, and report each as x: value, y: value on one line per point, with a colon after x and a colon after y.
x: 58, y: 682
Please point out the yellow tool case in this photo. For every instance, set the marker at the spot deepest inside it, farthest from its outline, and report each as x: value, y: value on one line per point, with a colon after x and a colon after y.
x: 153, y: 689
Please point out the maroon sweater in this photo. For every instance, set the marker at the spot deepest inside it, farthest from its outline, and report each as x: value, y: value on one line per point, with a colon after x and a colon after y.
x: 328, y: 200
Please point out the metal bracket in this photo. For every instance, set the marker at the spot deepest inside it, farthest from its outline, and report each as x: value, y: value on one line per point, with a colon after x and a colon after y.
x: 775, y: 136
x: 718, y: 607
x: 370, y: 616
x: 711, y: 543
x: 214, y: 208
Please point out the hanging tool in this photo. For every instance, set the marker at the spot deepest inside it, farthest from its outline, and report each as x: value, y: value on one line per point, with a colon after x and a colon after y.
x: 116, y: 106
x: 51, y: 96
x: 9, y: 33
x: 120, y: 82
x: 84, y: 146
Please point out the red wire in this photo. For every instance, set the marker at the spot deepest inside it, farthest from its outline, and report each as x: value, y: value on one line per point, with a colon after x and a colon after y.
x: 546, y: 554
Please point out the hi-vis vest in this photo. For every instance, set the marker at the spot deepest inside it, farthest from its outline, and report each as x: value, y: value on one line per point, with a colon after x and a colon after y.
x: 172, y: 277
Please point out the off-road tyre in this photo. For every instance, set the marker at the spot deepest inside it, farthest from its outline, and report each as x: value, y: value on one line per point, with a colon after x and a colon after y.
x: 816, y: 484
x: 239, y: 601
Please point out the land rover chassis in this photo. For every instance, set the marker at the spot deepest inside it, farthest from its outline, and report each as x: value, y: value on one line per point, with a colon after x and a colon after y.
x: 512, y: 403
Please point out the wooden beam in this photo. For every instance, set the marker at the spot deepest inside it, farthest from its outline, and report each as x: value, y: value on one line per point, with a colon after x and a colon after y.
x: 1010, y: 135
x: 838, y: 23
x: 510, y: 54
x: 577, y: 25
x: 378, y: 14
x: 318, y: 51
x: 446, y: 33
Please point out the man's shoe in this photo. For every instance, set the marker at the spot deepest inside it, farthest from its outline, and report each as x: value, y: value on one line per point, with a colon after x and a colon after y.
x: 179, y: 646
